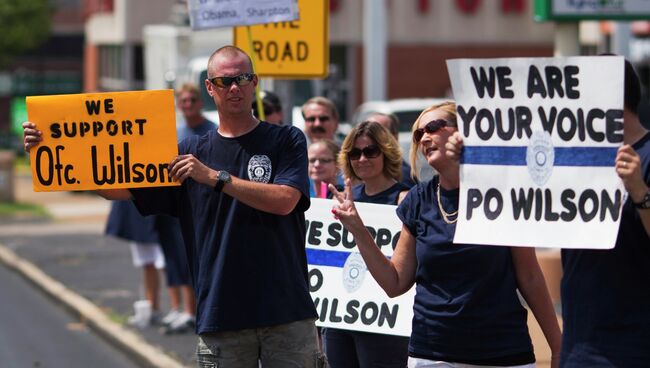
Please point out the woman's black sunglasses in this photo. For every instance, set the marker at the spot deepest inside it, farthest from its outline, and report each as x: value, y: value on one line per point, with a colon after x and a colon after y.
x: 225, y: 82
x: 431, y: 127
x: 370, y: 151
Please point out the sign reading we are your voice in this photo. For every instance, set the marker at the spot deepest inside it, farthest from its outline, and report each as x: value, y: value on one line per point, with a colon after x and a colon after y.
x: 541, y: 137
x: 103, y: 140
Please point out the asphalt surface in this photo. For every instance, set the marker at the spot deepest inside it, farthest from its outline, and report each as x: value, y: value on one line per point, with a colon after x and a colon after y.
x: 36, y: 332
x: 92, y: 275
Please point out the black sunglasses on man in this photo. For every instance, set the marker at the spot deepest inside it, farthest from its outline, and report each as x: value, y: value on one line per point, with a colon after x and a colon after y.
x: 224, y: 82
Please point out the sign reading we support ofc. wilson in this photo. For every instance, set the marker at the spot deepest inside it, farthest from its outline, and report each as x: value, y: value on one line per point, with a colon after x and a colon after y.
x: 541, y: 137
x: 103, y: 140
x: 344, y: 292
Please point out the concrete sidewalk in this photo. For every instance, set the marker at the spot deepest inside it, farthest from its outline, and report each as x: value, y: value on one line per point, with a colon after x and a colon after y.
x: 70, y: 259
x: 92, y: 275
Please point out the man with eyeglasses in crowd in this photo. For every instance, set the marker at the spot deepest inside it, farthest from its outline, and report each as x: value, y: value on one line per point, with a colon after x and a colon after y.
x: 241, y: 207
x: 321, y: 120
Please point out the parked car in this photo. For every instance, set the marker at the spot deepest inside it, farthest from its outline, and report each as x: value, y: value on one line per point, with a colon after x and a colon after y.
x: 407, y: 110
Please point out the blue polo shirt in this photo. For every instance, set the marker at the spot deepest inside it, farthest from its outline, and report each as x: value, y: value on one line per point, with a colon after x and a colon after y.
x: 249, y: 267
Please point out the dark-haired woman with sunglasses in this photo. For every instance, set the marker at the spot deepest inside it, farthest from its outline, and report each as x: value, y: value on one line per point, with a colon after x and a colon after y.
x: 466, y: 309
x: 371, y: 156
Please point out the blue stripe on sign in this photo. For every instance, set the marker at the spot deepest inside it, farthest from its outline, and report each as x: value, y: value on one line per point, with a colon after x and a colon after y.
x: 516, y: 156
x: 331, y: 258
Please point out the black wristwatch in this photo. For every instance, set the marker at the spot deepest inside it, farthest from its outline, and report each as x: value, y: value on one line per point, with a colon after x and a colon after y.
x: 223, y: 177
x: 645, y: 202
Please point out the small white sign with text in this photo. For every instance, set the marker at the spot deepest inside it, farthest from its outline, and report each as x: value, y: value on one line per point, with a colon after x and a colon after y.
x: 206, y: 14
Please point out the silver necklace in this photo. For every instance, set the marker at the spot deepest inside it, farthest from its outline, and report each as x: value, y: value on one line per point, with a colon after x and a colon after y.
x: 445, y: 215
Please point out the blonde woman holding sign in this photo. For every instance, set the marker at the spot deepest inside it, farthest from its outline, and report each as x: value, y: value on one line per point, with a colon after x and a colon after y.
x: 466, y: 309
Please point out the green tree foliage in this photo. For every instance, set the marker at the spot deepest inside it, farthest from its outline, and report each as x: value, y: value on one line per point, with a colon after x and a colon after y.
x: 24, y: 25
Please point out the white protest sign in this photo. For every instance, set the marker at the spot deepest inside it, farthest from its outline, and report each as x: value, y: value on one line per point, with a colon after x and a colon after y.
x: 205, y: 14
x: 540, y: 136
x: 344, y: 292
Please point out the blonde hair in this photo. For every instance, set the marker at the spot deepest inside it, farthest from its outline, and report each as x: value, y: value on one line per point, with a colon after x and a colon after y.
x: 383, y: 139
x: 449, y: 108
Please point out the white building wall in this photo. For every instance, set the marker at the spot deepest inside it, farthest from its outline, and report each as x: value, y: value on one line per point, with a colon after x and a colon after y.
x: 124, y: 24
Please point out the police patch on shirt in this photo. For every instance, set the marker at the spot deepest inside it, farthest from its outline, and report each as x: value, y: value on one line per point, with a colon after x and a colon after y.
x: 540, y: 157
x: 259, y: 169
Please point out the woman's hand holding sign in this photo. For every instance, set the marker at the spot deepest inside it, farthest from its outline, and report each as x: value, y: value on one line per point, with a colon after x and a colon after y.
x: 454, y: 146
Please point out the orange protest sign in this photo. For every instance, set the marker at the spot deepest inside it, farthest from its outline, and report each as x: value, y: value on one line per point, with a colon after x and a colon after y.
x: 103, y: 140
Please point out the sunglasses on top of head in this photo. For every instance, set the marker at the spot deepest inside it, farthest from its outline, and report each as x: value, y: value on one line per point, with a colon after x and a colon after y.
x: 370, y: 151
x: 243, y: 79
x: 431, y: 127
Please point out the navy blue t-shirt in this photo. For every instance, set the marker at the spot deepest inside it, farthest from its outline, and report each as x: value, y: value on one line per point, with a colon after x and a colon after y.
x: 466, y: 308
x: 388, y: 196
x: 249, y: 267
x: 606, y: 294
x: 126, y: 223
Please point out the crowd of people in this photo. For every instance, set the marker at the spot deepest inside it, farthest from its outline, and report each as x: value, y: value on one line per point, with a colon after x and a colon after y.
x: 240, y: 211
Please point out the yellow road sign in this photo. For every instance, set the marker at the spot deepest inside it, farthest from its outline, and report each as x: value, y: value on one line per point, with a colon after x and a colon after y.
x: 296, y: 49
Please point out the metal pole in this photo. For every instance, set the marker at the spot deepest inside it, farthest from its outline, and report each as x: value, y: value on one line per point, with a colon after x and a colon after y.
x: 374, y: 49
x: 567, y: 39
x: 621, y: 39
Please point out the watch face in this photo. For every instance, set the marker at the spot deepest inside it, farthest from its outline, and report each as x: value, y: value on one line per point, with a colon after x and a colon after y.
x: 224, y: 176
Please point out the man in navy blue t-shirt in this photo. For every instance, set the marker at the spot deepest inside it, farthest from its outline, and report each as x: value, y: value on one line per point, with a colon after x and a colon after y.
x: 241, y: 208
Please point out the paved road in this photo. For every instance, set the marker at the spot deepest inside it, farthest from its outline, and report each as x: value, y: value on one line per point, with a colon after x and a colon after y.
x: 37, y: 332
x: 71, y: 249
x: 96, y: 267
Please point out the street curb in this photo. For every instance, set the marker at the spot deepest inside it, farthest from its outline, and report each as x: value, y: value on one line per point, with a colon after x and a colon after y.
x: 122, y: 338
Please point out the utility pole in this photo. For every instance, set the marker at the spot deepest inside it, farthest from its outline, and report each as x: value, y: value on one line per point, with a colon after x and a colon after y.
x: 374, y: 49
x: 567, y: 39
